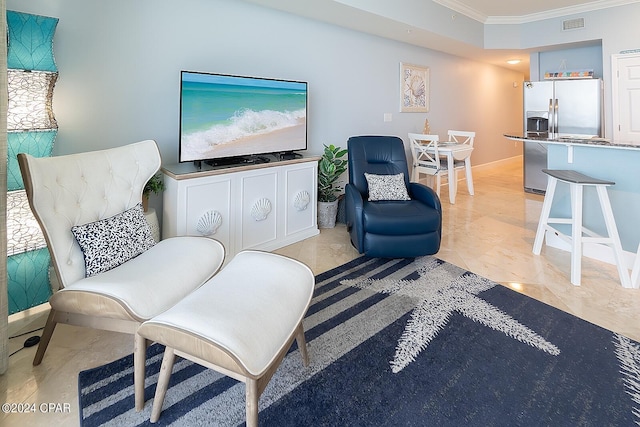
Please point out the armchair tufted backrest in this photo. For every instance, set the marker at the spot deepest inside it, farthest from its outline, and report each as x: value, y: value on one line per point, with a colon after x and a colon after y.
x: 376, y: 154
x: 76, y: 189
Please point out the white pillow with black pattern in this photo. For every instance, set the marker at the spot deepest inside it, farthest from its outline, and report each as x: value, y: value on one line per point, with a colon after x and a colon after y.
x: 386, y: 187
x: 112, y: 241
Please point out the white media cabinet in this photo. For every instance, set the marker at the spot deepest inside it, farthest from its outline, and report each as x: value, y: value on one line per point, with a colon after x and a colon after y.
x: 258, y: 206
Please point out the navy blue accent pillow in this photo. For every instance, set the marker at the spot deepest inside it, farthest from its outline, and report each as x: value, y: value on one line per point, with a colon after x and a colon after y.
x: 112, y: 241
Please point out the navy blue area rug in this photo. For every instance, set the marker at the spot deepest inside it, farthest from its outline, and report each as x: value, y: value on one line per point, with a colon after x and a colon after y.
x: 414, y: 342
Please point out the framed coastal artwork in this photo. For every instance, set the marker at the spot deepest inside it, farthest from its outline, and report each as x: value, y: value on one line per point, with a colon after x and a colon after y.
x: 414, y: 88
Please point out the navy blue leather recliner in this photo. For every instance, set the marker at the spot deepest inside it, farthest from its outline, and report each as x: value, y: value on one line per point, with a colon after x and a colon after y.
x: 389, y: 229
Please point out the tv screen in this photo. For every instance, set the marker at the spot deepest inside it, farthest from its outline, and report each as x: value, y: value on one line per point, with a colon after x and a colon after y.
x: 224, y: 116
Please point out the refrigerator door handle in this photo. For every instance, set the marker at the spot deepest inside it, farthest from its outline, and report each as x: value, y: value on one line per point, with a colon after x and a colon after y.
x: 555, y: 117
x: 551, y: 117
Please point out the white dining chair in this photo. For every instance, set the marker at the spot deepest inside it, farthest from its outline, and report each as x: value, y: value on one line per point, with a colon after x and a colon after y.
x: 462, y: 158
x: 426, y: 159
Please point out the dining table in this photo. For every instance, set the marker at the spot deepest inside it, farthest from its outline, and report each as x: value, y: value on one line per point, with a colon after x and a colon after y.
x: 452, y: 151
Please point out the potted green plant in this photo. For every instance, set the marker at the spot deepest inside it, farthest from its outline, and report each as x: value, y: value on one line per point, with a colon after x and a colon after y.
x: 330, y: 167
x: 155, y: 185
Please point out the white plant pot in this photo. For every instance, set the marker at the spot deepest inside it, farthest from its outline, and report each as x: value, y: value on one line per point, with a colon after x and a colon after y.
x: 327, y: 212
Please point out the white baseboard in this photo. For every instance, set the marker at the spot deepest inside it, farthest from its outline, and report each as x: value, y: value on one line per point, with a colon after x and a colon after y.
x: 497, y: 163
x: 486, y: 166
x: 18, y: 322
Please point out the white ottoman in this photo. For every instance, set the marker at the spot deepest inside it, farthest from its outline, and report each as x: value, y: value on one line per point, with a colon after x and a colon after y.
x: 241, y: 323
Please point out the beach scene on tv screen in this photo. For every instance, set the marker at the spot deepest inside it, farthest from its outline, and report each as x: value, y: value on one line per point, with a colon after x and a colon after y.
x: 228, y: 116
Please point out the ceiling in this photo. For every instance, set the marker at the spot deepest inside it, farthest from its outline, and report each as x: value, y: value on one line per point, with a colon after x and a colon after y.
x: 484, y: 11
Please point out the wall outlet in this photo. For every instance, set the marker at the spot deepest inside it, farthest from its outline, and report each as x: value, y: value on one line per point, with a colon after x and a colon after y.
x: 388, y: 117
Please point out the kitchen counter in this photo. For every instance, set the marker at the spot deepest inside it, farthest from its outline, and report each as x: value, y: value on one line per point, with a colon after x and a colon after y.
x: 617, y: 161
x: 574, y: 140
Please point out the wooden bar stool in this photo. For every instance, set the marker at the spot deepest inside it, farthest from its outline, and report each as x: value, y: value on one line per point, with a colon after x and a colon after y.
x: 577, y: 182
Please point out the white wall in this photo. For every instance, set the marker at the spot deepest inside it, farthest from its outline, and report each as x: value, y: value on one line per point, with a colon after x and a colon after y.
x: 119, y: 63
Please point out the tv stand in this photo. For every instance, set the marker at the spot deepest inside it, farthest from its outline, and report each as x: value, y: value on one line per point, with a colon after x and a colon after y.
x: 261, y: 206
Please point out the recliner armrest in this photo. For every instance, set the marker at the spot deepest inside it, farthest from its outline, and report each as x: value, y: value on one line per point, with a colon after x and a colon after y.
x: 354, y: 205
x: 354, y: 209
x: 425, y: 194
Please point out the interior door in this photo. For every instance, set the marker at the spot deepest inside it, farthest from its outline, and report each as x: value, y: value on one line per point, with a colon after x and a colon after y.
x: 626, y: 97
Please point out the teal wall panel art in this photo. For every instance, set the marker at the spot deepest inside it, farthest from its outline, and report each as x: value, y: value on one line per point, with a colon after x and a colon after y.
x: 37, y: 143
x: 31, y: 128
x: 30, y: 42
x: 28, y: 283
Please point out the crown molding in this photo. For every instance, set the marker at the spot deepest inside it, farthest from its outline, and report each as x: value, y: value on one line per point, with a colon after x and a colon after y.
x: 459, y: 7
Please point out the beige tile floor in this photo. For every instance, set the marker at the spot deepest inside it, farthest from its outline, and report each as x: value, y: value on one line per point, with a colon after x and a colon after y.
x: 490, y: 233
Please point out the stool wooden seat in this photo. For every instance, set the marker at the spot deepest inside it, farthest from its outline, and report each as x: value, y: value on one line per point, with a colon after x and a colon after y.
x: 580, y: 234
x: 241, y: 323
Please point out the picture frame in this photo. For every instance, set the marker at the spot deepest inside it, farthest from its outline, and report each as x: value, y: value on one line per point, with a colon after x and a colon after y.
x: 414, y: 88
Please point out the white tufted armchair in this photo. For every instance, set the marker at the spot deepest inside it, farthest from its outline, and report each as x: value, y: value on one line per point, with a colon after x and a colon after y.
x: 78, y: 189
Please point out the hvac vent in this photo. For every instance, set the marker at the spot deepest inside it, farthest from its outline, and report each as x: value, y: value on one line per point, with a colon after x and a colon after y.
x: 572, y: 24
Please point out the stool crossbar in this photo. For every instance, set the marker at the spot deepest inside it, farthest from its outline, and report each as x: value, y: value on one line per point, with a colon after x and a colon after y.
x: 580, y: 234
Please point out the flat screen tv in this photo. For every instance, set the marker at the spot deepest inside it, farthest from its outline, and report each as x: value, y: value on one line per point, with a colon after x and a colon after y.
x: 226, y: 118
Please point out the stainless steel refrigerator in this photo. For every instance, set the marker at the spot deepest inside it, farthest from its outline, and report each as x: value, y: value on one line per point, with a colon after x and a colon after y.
x: 557, y: 108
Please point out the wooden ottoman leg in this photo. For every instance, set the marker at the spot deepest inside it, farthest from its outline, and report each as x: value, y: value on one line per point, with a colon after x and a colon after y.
x: 139, y: 368
x: 302, y: 345
x: 251, y: 397
x: 163, y: 383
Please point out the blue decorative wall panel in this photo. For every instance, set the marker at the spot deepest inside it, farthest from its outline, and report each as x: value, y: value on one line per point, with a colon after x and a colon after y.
x: 30, y: 42
x: 38, y: 144
x: 28, y: 282
x: 31, y: 77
